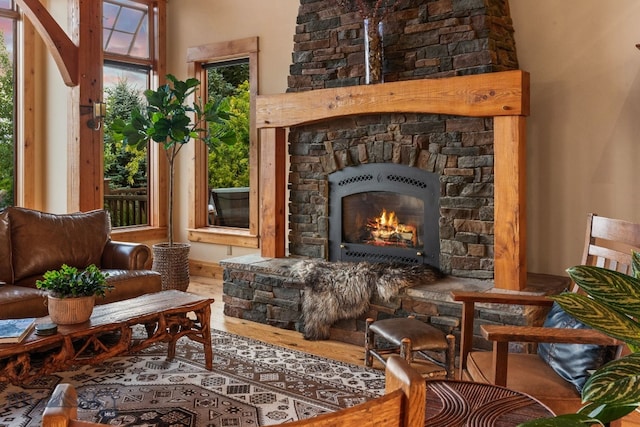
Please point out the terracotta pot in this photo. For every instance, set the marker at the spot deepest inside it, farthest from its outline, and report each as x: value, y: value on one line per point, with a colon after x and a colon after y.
x: 69, y: 311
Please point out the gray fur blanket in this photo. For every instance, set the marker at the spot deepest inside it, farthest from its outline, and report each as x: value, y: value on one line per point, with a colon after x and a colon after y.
x: 343, y: 290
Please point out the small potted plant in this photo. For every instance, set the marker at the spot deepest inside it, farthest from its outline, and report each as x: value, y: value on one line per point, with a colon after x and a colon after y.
x: 72, y: 292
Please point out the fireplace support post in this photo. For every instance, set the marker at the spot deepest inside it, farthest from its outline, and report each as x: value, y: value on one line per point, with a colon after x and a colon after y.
x: 503, y: 96
x: 273, y: 175
x: 510, y: 210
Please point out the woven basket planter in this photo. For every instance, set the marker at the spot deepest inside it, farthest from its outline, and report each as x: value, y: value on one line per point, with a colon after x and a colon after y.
x: 70, y: 311
x: 172, y: 262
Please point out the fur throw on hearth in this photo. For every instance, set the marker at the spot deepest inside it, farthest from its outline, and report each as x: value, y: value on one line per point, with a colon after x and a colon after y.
x: 343, y: 290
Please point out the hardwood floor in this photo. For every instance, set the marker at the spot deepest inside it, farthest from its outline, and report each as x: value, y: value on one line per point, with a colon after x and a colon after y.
x: 291, y: 339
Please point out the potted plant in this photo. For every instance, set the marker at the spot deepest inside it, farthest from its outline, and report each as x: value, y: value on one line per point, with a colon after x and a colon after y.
x: 612, y: 306
x: 169, y: 119
x: 72, y: 292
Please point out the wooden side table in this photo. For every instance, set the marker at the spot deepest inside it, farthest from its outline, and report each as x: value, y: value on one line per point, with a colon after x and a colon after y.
x: 462, y: 403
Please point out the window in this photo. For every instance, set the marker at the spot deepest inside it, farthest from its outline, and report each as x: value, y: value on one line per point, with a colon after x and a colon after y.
x: 228, y: 162
x: 225, y: 179
x: 7, y: 104
x: 127, y: 73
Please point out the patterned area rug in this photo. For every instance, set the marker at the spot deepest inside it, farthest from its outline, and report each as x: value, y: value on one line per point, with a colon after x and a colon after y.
x: 252, y: 384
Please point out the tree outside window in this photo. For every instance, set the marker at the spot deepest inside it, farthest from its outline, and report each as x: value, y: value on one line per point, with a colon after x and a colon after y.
x: 228, y: 164
x: 7, y: 102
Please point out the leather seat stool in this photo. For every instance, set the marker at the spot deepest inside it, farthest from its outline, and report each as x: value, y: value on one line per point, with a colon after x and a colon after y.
x: 408, y: 336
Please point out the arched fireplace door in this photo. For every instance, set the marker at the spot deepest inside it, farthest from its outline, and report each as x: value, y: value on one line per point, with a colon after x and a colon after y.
x: 382, y: 212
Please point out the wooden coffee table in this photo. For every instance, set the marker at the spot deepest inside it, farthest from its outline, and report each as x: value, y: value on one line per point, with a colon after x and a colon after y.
x: 108, y: 333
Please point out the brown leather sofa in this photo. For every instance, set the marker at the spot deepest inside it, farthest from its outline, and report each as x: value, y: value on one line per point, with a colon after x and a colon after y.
x: 33, y: 242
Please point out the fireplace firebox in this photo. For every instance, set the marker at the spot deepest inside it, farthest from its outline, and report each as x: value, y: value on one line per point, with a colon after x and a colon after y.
x: 382, y: 212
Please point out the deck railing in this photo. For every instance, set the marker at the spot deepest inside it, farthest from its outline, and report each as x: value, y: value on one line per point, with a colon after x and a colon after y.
x: 127, y: 206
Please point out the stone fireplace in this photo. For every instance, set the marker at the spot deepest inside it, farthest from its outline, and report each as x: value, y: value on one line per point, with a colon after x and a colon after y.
x: 449, y: 120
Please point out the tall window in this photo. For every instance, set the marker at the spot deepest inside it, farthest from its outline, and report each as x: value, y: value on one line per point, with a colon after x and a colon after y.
x: 228, y: 172
x: 128, y: 46
x: 225, y: 183
x: 8, y: 102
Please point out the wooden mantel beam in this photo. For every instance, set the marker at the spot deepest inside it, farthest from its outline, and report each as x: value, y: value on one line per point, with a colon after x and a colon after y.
x: 480, y: 95
x: 502, y: 95
x: 64, y: 51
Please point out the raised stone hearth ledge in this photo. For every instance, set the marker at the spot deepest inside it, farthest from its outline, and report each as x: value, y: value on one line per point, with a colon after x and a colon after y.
x: 261, y: 290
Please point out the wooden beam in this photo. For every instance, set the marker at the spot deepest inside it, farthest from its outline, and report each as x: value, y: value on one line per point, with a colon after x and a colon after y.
x: 273, y: 174
x: 65, y: 53
x: 510, y: 210
x: 85, y: 153
x: 481, y: 95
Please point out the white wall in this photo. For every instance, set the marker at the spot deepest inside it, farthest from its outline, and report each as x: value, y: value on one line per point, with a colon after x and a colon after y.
x: 584, y: 127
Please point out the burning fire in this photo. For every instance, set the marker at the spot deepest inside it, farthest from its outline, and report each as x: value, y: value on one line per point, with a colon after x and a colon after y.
x: 387, y: 230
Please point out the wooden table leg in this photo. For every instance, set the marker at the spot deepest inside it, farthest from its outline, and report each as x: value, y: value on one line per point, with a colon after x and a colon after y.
x: 205, y: 321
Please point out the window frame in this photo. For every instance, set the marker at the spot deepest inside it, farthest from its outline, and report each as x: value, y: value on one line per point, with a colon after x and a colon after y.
x: 199, y: 229
x: 25, y: 167
x: 157, y: 168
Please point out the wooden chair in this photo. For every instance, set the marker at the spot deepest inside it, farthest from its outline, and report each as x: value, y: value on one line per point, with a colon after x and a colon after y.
x: 402, y: 405
x: 608, y: 244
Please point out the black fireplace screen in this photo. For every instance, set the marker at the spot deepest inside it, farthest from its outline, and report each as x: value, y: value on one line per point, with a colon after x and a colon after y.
x: 384, y: 213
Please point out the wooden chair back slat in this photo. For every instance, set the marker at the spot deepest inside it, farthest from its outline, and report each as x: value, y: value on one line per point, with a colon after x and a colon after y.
x: 609, y: 243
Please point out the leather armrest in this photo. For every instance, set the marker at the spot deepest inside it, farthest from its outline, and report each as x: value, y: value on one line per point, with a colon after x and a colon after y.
x: 126, y: 256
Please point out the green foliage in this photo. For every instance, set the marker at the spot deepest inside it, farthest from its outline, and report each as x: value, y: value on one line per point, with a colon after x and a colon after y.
x: 612, y: 307
x: 229, y: 163
x: 124, y: 165
x: 223, y: 81
x: 7, y: 153
x: 170, y: 120
x: 69, y: 282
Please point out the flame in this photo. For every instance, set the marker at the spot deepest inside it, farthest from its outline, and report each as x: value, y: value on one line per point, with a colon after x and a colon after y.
x: 388, y: 222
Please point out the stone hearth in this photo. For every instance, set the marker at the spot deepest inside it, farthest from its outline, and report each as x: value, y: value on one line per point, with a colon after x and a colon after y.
x: 261, y: 290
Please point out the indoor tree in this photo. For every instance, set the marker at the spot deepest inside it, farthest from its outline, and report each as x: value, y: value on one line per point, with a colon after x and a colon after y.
x: 170, y: 119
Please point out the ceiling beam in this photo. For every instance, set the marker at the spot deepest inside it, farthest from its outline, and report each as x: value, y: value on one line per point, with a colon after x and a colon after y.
x: 62, y: 48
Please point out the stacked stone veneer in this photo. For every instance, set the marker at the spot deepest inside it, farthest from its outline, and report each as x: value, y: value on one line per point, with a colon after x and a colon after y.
x: 422, y: 39
x: 262, y: 290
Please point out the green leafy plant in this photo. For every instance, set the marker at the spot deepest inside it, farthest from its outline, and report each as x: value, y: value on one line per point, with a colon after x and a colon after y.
x: 169, y: 119
x: 69, y: 282
x: 612, y: 306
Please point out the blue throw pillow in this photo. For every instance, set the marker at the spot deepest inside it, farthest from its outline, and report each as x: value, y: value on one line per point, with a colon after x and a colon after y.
x: 573, y: 362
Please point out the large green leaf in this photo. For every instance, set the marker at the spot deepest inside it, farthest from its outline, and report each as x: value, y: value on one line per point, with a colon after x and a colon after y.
x: 618, y: 290
x: 568, y: 420
x: 606, y: 412
x: 600, y: 316
x: 617, y: 382
x: 635, y: 264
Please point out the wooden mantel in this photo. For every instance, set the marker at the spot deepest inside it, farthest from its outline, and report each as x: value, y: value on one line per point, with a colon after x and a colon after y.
x: 503, y: 96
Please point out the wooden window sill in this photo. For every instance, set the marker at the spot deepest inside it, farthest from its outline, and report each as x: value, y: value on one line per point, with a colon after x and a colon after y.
x: 224, y: 236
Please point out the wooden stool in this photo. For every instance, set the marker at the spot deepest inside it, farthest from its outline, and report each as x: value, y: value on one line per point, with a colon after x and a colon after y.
x: 407, y: 336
